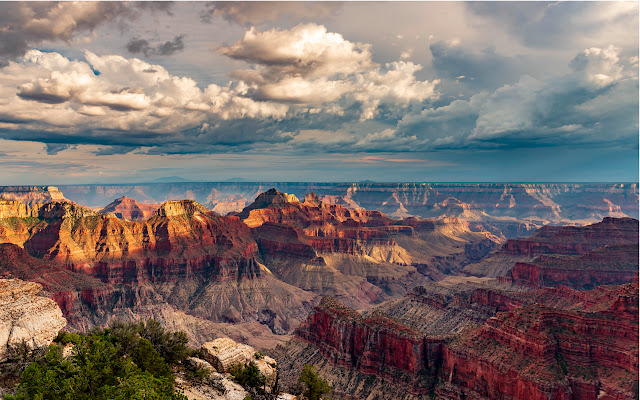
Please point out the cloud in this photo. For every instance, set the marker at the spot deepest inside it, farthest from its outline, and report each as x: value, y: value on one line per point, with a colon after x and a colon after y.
x: 170, y: 47
x: 484, y: 69
x: 564, y: 24
x: 306, y: 50
x: 113, y: 100
x: 309, y: 65
x: 255, y: 13
x: 594, y: 104
x: 25, y: 24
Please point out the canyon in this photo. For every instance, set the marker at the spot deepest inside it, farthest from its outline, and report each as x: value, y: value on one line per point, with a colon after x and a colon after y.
x: 462, y: 291
x: 255, y: 275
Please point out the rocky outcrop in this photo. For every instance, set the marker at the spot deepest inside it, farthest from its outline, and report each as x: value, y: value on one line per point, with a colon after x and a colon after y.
x: 552, y: 343
x: 184, y: 257
x: 224, y: 354
x: 129, y: 209
x: 31, y: 195
x: 540, y: 353
x: 26, y: 317
x: 358, y: 256
x: 371, y: 345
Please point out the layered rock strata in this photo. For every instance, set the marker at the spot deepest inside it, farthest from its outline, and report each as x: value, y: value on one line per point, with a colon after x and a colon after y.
x: 32, y: 195
x: 557, y: 203
x: 357, y: 256
x: 183, y: 259
x: 579, y: 345
x: 584, y: 257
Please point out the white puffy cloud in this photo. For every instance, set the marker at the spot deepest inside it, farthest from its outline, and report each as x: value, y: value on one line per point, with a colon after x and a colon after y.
x: 309, y: 65
x: 305, y: 50
x: 600, y: 67
x: 44, y: 92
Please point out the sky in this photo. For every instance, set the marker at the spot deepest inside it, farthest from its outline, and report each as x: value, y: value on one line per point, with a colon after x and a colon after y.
x: 112, y: 92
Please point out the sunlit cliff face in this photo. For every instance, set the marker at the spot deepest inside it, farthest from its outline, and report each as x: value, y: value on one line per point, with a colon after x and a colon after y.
x: 411, y: 91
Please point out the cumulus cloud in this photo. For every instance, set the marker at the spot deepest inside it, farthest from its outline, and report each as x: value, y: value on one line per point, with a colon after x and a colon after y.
x: 170, y: 47
x: 309, y: 65
x: 595, y: 103
x: 254, y: 13
x: 305, y: 50
x: 112, y: 99
x: 24, y: 24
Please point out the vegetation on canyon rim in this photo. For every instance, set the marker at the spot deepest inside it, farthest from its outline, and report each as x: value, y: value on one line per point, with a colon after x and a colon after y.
x: 125, y: 361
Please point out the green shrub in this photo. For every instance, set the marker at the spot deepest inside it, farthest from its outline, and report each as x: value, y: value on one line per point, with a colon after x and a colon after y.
x: 105, y: 364
x: 248, y: 375
x: 315, y: 385
x: 172, y: 346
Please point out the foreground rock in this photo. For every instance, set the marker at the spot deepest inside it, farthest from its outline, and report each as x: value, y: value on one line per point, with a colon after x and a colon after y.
x: 26, y: 317
x: 224, y: 353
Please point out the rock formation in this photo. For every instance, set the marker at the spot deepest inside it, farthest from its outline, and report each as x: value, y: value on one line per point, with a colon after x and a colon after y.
x: 582, y: 257
x: 584, y: 346
x: 26, y: 317
x: 183, y: 259
x: 129, y: 209
x: 358, y: 256
x: 31, y: 195
x: 511, y: 206
x: 224, y: 354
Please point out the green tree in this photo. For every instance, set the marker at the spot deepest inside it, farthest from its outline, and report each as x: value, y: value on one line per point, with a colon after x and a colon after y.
x: 315, y: 385
x: 248, y: 375
x: 171, y: 345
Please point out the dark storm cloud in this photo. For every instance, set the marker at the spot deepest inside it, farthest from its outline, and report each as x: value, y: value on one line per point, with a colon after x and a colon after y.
x: 167, y: 48
x: 25, y: 24
x: 257, y: 12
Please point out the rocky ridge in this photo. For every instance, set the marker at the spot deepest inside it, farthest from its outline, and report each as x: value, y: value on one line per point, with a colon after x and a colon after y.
x: 32, y: 195
x: 185, y: 259
x: 508, y: 204
x: 584, y: 257
x: 358, y: 256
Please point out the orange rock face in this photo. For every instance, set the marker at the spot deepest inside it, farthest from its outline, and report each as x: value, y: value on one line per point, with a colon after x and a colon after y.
x: 358, y: 256
x: 541, y: 353
x: 130, y: 210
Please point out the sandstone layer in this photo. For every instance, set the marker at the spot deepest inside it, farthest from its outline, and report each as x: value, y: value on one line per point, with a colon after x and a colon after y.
x: 360, y: 257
